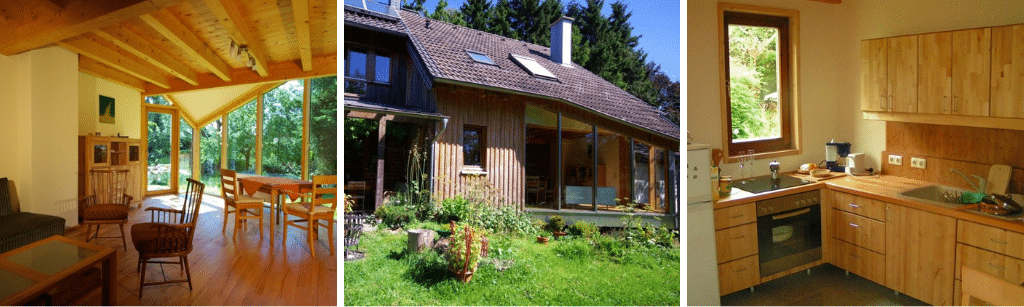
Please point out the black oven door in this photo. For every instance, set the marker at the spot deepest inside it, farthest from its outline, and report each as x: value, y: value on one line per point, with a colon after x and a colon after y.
x: 788, y: 239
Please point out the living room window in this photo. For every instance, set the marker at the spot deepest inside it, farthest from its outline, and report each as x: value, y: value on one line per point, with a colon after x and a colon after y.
x: 364, y: 67
x: 758, y: 60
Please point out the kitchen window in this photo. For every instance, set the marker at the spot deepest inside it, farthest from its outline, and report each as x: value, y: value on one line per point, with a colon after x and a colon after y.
x: 759, y: 62
x: 365, y: 67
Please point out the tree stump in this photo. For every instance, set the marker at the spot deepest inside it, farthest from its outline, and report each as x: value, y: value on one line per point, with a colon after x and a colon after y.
x: 420, y: 239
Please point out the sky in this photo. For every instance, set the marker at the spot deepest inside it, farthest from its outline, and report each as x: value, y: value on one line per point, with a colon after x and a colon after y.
x: 657, y: 22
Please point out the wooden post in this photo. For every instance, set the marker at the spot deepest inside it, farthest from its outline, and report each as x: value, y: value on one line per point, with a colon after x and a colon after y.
x: 258, y: 142
x: 593, y: 171
x: 382, y: 123
x: 306, y: 88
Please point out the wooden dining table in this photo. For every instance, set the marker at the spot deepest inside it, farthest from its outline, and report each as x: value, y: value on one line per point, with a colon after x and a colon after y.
x: 276, y: 187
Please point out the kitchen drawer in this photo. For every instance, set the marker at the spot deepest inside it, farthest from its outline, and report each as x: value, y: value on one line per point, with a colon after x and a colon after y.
x: 859, y: 230
x: 735, y: 215
x: 858, y: 205
x: 736, y: 242
x: 860, y: 261
x: 738, y: 275
x: 991, y: 238
x: 1005, y: 267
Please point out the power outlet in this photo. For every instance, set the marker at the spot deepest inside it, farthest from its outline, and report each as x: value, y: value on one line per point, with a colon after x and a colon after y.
x: 916, y: 162
x: 895, y: 160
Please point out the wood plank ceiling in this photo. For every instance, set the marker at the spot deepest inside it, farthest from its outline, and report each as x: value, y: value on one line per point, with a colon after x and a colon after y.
x: 172, y: 46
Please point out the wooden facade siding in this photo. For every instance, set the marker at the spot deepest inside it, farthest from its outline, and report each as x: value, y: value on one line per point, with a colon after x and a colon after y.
x: 505, y: 139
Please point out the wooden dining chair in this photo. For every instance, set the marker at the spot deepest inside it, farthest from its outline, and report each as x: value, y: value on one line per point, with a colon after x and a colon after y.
x: 980, y: 286
x: 108, y: 204
x: 168, y: 234
x: 312, y: 214
x: 244, y: 207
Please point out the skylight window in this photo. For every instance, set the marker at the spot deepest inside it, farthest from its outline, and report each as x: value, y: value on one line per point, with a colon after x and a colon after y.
x: 532, y: 66
x: 480, y: 57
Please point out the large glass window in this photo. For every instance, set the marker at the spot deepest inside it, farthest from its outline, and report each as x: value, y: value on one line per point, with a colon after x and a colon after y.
x: 642, y: 173
x: 541, y: 158
x: 242, y: 139
x: 282, y: 130
x: 210, y: 157
x: 660, y: 166
x: 323, y: 126
x: 184, y: 154
x: 159, y: 149
x: 759, y: 92
x: 613, y: 160
x: 578, y: 171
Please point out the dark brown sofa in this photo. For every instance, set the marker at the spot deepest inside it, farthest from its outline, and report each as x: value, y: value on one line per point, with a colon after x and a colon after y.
x: 18, y: 228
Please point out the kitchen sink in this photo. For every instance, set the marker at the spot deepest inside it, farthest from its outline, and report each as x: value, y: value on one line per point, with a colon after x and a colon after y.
x: 932, y: 195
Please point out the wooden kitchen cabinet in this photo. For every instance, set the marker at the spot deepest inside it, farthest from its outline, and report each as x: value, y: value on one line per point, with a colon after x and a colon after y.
x: 901, y: 76
x: 971, y: 71
x: 1007, y: 91
x: 935, y: 73
x: 736, y: 242
x: 738, y: 275
x: 991, y: 238
x: 861, y: 261
x: 920, y: 246
x: 874, y: 88
x: 860, y: 231
x: 735, y: 215
x: 859, y: 205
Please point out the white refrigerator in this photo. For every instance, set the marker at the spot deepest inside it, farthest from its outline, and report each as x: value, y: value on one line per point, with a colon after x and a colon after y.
x: 701, y: 264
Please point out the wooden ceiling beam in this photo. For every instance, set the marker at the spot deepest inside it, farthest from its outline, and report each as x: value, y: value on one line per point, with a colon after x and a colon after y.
x: 136, y: 45
x: 102, y: 71
x: 235, y: 23
x: 282, y: 71
x: 300, y: 9
x: 239, y: 101
x: 172, y: 28
x: 38, y: 25
x: 85, y: 45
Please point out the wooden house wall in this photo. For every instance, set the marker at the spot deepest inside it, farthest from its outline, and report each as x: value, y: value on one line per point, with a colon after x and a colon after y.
x: 503, y: 117
x: 395, y: 92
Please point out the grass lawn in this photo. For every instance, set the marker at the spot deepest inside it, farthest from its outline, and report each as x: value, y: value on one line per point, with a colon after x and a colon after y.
x: 550, y: 274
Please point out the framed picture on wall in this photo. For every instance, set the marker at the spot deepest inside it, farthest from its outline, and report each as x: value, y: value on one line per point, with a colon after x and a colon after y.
x: 106, y: 109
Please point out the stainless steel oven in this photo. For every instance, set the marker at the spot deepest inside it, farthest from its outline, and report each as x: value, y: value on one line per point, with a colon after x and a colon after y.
x: 788, y: 231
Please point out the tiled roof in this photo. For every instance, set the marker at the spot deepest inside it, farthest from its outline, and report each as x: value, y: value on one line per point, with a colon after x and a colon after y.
x: 443, y: 46
x: 374, y: 20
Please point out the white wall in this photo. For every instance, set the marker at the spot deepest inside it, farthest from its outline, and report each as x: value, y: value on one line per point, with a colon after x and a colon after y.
x: 127, y: 102
x: 39, y: 149
x: 827, y: 78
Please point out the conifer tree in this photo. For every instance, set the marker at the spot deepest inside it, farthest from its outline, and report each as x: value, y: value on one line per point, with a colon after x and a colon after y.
x: 477, y: 14
x: 416, y: 5
x: 501, y: 20
x: 443, y: 13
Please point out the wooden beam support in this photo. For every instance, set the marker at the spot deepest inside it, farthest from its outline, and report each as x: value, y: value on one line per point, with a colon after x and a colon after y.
x: 102, y: 71
x: 136, y: 45
x: 234, y: 22
x: 300, y: 10
x: 86, y: 45
x: 39, y: 24
x: 259, y: 135
x: 172, y: 28
x: 283, y: 71
x: 238, y: 102
x: 306, y: 89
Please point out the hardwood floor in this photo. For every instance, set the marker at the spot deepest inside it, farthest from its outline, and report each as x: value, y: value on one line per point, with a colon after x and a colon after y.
x: 827, y: 285
x: 243, y: 271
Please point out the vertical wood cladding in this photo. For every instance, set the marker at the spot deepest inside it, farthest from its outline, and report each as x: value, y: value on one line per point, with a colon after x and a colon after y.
x: 503, y: 116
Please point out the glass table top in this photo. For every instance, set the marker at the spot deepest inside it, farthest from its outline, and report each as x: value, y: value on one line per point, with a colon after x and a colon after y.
x: 51, y: 257
x: 12, y: 283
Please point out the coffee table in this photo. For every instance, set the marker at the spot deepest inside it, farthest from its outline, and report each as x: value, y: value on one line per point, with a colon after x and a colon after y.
x: 30, y: 270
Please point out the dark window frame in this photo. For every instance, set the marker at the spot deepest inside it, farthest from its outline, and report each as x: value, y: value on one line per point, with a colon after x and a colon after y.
x: 482, y: 151
x: 371, y: 67
x: 785, y: 22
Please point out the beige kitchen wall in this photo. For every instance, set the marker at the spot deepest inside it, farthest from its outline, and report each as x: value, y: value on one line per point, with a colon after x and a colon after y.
x: 830, y: 36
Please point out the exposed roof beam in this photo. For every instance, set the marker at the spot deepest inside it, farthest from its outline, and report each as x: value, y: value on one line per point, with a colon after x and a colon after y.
x: 234, y: 22
x: 100, y: 70
x: 181, y: 109
x: 85, y: 45
x: 172, y: 28
x: 282, y: 71
x: 38, y: 25
x: 238, y: 102
x: 300, y: 9
x: 135, y: 44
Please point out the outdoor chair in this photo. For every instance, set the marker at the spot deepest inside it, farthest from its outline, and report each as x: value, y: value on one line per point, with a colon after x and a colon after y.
x: 108, y: 203
x: 313, y: 213
x: 169, y: 234
x: 353, y: 233
x: 245, y: 207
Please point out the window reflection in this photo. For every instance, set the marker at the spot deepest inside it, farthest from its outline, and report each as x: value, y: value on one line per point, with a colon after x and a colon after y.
x: 382, y: 70
x: 541, y: 158
x: 472, y: 146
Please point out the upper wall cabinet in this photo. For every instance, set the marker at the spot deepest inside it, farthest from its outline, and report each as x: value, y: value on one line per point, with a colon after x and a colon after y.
x: 874, y: 88
x: 953, y: 75
x: 935, y: 73
x: 889, y: 74
x: 1008, y: 71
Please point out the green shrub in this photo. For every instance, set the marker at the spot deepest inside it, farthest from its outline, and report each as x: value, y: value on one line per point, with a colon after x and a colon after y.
x: 583, y: 229
x: 394, y: 216
x: 555, y: 224
x: 501, y: 248
x: 574, y: 249
x: 609, y: 245
x: 464, y: 251
x: 505, y: 219
x: 453, y: 209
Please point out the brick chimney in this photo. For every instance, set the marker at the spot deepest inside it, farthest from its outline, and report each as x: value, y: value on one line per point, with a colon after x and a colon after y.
x: 561, y: 41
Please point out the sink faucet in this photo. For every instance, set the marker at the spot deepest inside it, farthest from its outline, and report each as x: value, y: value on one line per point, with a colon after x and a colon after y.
x: 982, y: 184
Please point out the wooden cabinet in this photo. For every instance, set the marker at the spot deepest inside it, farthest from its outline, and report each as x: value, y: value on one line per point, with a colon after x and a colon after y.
x: 97, y: 152
x: 736, y: 239
x: 935, y: 73
x: 920, y: 247
x: 859, y: 231
x: 859, y: 205
x: 860, y: 261
x: 874, y: 88
x: 991, y: 238
x: 1007, y: 91
x: 901, y: 76
x: 971, y: 71
x: 989, y: 249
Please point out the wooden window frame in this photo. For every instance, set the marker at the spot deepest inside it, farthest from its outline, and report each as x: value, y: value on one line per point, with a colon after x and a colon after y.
x: 482, y: 132
x: 788, y: 23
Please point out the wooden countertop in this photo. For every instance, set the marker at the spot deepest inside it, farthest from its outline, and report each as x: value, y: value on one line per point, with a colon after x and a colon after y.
x: 884, y: 188
x: 742, y: 197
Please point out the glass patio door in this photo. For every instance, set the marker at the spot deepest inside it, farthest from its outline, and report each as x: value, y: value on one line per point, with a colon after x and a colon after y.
x: 161, y: 158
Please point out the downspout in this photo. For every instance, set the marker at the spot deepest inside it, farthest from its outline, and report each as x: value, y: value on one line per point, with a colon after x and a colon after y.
x: 433, y: 152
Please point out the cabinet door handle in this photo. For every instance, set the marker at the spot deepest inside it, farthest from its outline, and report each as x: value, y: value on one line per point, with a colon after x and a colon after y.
x: 854, y: 206
x: 854, y: 255
x: 882, y: 103
x: 996, y: 267
x: 890, y: 103
x: 854, y: 225
x: 737, y: 216
x: 954, y: 105
x: 740, y: 237
x: 995, y: 241
x: 945, y: 103
x: 740, y: 270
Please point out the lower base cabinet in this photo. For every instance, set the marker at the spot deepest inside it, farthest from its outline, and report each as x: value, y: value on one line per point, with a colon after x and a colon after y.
x: 860, y: 261
x: 738, y: 274
x: 920, y: 247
